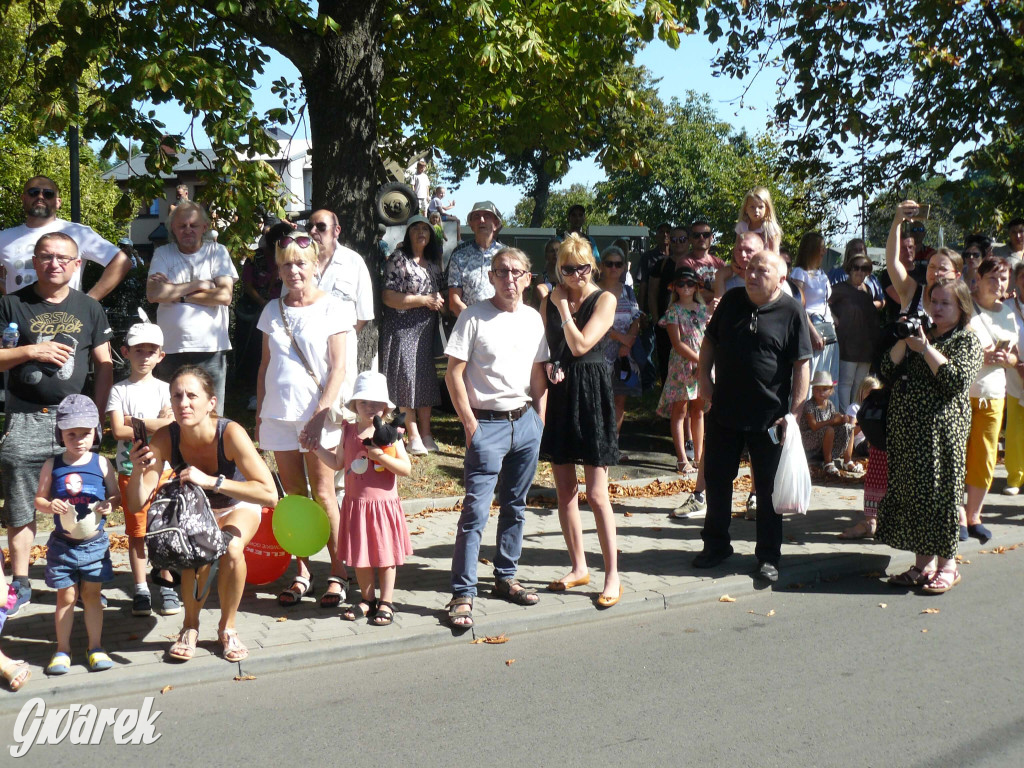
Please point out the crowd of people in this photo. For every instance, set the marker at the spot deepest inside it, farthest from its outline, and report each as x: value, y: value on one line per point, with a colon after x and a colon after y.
x: 537, y: 367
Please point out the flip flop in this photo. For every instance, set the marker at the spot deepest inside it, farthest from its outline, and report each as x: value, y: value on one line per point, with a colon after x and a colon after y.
x: 16, y: 672
x: 184, y: 647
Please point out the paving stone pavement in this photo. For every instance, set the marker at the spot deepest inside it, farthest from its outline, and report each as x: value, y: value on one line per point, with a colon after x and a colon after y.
x: 656, y: 553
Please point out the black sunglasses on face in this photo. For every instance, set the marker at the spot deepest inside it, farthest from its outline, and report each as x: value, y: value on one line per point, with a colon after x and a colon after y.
x: 575, y: 269
x: 861, y: 268
x: 700, y: 234
x: 614, y: 264
x: 320, y: 226
x: 678, y: 239
x: 685, y: 284
x: 49, y: 194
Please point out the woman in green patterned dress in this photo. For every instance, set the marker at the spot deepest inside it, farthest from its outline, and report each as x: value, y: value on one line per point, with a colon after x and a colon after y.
x: 928, y: 424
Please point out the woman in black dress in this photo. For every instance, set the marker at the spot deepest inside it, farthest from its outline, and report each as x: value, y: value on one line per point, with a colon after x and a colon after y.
x: 580, y: 423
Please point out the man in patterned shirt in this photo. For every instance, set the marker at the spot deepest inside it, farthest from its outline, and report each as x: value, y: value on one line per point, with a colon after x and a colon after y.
x: 470, y: 263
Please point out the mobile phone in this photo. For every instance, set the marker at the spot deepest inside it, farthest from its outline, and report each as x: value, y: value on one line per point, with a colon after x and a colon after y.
x: 1002, y: 344
x: 139, y: 430
x: 923, y: 212
x: 773, y: 434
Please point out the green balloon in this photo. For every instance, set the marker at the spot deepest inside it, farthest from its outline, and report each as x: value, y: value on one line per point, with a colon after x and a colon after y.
x: 301, y: 526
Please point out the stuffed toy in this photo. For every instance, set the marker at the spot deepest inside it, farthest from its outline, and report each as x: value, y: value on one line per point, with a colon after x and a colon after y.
x: 385, y: 436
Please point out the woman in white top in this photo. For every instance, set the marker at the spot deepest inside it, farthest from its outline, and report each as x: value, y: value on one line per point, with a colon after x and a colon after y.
x: 816, y: 289
x: 301, y: 375
x: 1014, y: 458
x: 996, y: 328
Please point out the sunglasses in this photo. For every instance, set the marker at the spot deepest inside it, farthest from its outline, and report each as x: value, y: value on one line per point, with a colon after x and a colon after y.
x: 753, y: 322
x: 502, y: 273
x: 861, y: 268
x: 678, y: 239
x: 685, y: 284
x: 575, y: 269
x: 320, y: 226
x: 49, y: 194
x: 614, y: 264
x: 300, y: 240
x: 701, y: 235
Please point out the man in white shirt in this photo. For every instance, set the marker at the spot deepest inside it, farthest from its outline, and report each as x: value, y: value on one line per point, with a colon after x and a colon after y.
x: 496, y: 378
x: 193, y: 281
x: 343, y: 273
x: 40, y: 199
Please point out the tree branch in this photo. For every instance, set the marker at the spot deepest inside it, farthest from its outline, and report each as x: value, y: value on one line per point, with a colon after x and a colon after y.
x: 266, y: 23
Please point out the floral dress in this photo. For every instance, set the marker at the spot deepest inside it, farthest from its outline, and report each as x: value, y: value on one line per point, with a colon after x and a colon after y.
x: 681, y: 382
x: 407, y: 336
x: 814, y: 441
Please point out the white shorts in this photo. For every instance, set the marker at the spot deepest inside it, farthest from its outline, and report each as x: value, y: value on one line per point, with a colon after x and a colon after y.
x: 282, y: 435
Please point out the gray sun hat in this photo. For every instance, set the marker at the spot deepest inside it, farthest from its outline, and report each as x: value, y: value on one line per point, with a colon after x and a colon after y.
x: 76, y: 411
x: 487, y: 205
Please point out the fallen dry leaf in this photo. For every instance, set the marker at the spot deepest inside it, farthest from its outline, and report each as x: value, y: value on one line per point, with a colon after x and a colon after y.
x: 656, y: 528
x: 243, y: 678
x: 726, y: 599
x: 509, y: 662
x: 768, y: 615
x: 924, y: 630
x: 796, y: 585
x: 883, y: 605
x: 491, y: 639
x: 627, y: 514
x: 484, y: 561
x: 930, y: 610
x: 282, y: 618
x: 962, y: 560
x: 689, y: 630
x: 418, y: 531
x: 167, y: 688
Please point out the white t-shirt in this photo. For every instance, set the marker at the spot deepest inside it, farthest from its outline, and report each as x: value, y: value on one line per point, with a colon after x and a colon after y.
x: 500, y: 349
x: 852, y: 410
x: 421, y: 185
x: 990, y: 326
x: 1014, y: 385
x: 143, y: 400
x: 193, y: 327
x: 347, y: 278
x: 816, y: 290
x: 290, y: 392
x: 18, y: 243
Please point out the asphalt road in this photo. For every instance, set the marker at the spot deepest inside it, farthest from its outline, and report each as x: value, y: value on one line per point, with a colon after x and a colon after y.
x: 818, y: 676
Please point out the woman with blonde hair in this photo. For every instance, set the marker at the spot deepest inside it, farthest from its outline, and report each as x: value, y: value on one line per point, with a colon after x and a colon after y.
x: 301, y: 374
x: 580, y: 423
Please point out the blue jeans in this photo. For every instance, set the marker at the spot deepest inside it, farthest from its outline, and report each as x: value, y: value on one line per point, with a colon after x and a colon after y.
x: 511, y: 449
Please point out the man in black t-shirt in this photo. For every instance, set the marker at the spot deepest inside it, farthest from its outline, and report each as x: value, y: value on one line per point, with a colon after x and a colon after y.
x: 60, y: 331
x: 759, y: 345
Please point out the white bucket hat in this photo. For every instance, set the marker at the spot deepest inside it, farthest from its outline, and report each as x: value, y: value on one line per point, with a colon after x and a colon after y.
x: 372, y: 386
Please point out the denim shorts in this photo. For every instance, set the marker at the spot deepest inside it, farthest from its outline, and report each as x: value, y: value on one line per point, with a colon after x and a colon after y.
x: 68, y: 562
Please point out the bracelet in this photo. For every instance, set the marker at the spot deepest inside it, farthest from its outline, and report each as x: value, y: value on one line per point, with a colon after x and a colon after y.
x: 219, y: 483
x: 566, y: 321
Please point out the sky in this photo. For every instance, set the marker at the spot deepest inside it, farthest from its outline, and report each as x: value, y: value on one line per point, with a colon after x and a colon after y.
x: 693, y: 57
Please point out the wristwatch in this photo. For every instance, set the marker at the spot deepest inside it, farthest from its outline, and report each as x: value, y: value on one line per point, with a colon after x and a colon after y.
x: 218, y: 483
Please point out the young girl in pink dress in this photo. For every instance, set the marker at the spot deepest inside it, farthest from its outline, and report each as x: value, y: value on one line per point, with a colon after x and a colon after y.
x: 373, y: 537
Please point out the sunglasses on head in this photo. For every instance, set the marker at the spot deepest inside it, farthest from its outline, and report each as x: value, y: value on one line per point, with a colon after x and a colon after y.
x: 302, y: 241
x: 49, y: 194
x: 575, y: 269
x: 614, y: 264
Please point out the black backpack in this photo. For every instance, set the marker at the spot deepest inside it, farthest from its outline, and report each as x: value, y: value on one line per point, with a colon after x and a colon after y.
x: 181, y: 531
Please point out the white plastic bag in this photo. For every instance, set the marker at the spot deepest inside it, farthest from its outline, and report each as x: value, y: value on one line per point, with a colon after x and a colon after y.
x: 792, y: 491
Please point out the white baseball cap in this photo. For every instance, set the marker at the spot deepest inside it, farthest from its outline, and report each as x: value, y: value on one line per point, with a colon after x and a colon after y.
x: 144, y: 333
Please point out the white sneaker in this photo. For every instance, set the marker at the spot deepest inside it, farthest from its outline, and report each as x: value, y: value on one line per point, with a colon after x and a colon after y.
x: 691, y: 509
x: 416, y: 447
x: 429, y: 444
x: 1011, y: 490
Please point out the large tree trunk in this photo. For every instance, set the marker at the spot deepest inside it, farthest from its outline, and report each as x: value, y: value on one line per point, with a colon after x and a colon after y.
x: 342, y: 82
x: 540, y: 193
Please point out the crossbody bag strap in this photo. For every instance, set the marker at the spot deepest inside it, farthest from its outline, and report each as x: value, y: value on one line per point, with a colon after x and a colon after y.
x: 298, y: 351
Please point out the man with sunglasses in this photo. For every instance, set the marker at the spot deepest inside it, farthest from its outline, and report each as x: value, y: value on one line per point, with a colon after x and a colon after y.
x: 343, y: 273
x: 700, y: 259
x: 40, y: 200
x: 496, y: 378
x: 759, y: 346
x: 61, y: 331
x: 193, y: 279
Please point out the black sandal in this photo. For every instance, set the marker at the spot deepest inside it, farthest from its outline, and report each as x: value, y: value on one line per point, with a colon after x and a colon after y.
x: 293, y: 596
x: 355, y: 611
x: 383, y: 616
x: 506, y: 588
x: 334, y: 599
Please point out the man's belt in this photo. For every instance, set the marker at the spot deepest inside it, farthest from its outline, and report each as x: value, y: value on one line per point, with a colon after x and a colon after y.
x: 483, y: 415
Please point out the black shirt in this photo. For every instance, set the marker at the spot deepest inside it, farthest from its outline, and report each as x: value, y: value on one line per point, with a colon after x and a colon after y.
x: 754, y: 369
x: 78, y: 321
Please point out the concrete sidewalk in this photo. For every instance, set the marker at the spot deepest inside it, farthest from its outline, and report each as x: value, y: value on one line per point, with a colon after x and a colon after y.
x: 656, y: 553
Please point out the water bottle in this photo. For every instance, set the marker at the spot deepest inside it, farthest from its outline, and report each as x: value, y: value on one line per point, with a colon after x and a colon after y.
x: 10, y: 337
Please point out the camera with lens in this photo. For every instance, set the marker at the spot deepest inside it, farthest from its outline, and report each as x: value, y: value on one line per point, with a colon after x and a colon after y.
x: 909, y: 323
